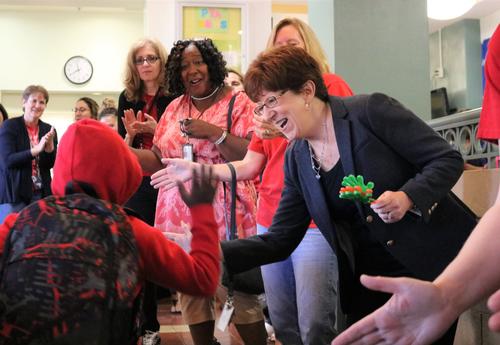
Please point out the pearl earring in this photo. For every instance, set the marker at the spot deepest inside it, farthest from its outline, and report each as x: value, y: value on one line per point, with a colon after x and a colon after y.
x: 307, y: 106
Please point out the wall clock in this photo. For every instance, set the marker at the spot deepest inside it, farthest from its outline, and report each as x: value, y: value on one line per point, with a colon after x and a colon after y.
x: 78, y: 69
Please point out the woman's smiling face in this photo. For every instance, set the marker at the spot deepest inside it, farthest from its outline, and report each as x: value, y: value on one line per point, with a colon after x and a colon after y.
x: 194, y: 73
x: 287, y: 111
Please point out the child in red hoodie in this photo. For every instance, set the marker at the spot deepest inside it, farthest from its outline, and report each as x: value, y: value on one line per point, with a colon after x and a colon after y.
x: 93, y: 154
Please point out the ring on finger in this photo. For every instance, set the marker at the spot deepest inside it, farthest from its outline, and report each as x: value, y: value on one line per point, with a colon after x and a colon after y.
x: 267, y: 132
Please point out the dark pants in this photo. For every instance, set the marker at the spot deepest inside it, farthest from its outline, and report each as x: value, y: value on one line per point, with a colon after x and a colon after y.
x: 373, y: 259
x: 143, y: 202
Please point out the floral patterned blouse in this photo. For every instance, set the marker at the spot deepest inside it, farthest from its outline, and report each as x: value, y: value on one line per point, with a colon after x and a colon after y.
x: 172, y: 215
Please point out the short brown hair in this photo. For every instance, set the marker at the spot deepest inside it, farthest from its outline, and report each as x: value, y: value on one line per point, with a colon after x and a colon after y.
x: 35, y: 89
x: 283, y: 68
x: 93, y: 106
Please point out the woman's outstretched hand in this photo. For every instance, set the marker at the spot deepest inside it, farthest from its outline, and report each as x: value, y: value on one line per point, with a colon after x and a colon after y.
x: 418, y: 313
x: 176, y: 169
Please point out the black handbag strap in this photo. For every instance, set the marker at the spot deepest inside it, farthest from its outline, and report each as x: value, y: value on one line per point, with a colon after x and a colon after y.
x: 230, y: 113
x: 233, y: 235
x: 232, y: 220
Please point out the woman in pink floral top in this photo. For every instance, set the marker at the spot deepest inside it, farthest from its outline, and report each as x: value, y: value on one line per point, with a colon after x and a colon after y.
x: 195, y: 127
x: 172, y: 215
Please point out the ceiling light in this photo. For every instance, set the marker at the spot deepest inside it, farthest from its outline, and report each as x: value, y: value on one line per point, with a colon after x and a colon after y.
x: 448, y: 9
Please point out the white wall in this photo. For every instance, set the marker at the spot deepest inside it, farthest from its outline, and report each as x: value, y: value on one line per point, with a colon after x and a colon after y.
x: 488, y: 25
x: 37, y: 41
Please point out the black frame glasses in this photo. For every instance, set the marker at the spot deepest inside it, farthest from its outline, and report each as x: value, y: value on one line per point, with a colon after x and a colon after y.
x: 270, y: 103
x: 150, y: 59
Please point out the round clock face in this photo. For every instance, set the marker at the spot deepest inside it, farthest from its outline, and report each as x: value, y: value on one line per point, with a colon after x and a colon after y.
x: 78, y: 70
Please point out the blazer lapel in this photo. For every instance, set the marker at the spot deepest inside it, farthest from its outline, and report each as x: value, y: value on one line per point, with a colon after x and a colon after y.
x: 317, y: 202
x: 342, y: 128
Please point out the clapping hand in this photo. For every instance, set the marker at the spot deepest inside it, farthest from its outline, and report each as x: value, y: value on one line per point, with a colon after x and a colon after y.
x: 202, y: 188
x: 46, y: 143
x: 49, y: 140
x: 129, y: 120
x: 145, y: 123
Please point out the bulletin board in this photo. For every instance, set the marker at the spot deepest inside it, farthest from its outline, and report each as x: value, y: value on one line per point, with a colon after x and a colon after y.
x: 224, y: 25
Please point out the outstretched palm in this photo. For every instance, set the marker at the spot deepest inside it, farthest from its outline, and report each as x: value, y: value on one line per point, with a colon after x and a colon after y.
x: 416, y: 314
x: 176, y: 169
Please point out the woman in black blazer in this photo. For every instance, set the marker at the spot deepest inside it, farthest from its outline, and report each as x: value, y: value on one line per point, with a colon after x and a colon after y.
x: 414, y: 228
x: 27, y: 153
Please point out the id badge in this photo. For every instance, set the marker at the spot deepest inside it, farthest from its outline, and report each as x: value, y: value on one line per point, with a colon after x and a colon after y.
x: 225, y: 316
x: 187, y: 152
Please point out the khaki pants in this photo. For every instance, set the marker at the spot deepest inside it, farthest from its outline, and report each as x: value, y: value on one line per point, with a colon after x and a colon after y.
x: 196, y: 309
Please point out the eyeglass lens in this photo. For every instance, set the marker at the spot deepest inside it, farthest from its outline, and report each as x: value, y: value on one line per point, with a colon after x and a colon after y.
x: 150, y: 59
x: 271, y: 102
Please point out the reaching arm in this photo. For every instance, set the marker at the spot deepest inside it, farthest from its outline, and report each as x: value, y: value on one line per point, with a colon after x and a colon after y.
x: 474, y: 274
x: 419, y: 312
x: 150, y: 160
x: 180, y: 170
x: 197, y: 272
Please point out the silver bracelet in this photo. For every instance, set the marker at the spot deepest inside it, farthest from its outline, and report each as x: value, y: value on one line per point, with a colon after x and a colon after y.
x: 222, y: 138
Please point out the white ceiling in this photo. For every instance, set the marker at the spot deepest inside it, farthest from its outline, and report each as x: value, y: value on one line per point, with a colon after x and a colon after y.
x: 481, y: 9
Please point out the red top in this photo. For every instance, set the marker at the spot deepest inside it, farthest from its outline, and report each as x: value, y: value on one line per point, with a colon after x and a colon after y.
x: 489, y: 122
x: 33, y: 136
x: 150, y: 109
x: 274, y: 150
x: 165, y: 263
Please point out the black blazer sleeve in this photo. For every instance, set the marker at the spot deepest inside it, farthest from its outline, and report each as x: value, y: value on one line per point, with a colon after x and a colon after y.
x: 289, y: 226
x: 438, y: 165
x: 15, y: 151
x: 123, y: 104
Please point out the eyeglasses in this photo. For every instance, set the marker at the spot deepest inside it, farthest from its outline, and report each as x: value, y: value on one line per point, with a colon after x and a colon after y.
x: 270, y: 102
x: 150, y: 59
x: 81, y: 110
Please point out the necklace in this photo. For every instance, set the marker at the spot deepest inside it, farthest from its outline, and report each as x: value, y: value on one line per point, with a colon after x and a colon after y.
x: 315, y: 160
x: 206, y: 97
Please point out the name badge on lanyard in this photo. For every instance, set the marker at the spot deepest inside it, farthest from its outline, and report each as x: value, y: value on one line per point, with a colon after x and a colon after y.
x: 187, y: 152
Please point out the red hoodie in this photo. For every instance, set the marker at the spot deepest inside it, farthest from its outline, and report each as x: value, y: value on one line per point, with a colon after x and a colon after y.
x: 92, y: 152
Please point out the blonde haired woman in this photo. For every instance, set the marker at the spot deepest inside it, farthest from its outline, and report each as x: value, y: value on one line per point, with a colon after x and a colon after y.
x: 293, y: 31
x: 145, y: 93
